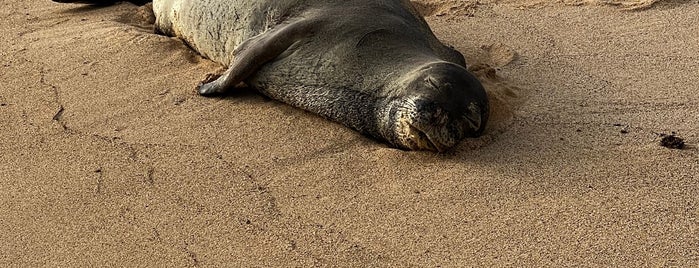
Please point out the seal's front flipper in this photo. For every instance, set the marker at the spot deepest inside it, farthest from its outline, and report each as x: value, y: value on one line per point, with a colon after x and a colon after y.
x: 252, y: 54
x: 207, y: 84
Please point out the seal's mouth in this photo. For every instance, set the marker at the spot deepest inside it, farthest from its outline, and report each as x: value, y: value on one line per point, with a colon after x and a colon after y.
x: 414, y: 137
x: 423, y: 141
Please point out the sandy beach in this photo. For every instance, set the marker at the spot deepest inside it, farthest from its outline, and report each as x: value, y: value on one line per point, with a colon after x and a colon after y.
x: 108, y: 157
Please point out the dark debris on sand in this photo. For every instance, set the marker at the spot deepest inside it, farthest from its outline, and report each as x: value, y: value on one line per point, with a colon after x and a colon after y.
x: 672, y: 141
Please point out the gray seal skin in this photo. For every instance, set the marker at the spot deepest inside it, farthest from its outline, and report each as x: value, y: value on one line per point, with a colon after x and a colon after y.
x: 372, y: 65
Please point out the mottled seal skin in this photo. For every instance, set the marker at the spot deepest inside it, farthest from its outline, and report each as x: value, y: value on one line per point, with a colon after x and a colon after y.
x: 372, y: 65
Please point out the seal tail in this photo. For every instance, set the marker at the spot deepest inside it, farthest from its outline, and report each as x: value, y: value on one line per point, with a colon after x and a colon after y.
x: 102, y: 2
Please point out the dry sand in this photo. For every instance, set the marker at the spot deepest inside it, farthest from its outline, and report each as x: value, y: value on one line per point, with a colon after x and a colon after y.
x: 109, y: 158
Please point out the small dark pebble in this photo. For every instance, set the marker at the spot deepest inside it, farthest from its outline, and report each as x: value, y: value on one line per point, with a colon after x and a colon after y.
x: 624, y: 131
x: 672, y: 142
x: 617, y: 125
x: 3, y: 104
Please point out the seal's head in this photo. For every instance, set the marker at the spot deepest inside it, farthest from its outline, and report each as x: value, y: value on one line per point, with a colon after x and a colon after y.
x: 440, y: 105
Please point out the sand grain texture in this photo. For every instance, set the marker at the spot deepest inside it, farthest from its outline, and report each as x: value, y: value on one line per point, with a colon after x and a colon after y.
x: 109, y: 158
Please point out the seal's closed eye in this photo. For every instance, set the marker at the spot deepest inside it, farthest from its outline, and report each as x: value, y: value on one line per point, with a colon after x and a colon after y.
x: 366, y: 38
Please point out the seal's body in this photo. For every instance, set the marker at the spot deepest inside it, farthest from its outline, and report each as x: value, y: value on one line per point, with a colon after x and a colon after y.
x: 373, y: 65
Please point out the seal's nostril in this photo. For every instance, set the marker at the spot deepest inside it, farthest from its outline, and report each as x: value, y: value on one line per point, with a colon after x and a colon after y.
x: 438, y: 113
x: 474, y: 121
x: 473, y: 116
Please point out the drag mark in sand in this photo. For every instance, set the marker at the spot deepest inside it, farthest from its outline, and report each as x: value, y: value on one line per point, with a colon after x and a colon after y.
x: 100, y: 181
x: 191, y: 255
x: 56, y: 98
x: 149, y: 176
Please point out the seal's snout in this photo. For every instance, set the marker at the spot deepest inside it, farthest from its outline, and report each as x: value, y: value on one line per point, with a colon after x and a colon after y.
x: 434, y: 127
x: 445, y: 105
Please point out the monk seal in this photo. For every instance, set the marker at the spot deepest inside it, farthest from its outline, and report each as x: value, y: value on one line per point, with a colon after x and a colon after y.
x: 372, y: 65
